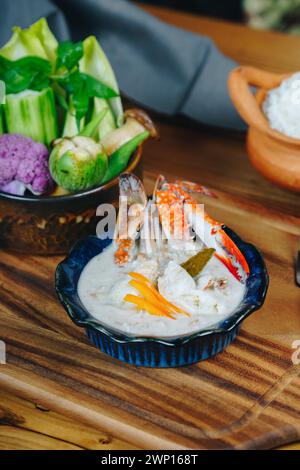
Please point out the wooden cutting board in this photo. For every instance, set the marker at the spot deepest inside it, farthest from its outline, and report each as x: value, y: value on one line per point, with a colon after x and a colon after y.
x: 246, y: 397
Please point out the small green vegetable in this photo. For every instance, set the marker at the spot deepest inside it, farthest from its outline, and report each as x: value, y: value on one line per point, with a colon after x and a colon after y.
x: 79, y: 74
x: 90, y: 129
x: 68, y: 54
x: 80, y: 88
x: 32, y: 114
x: 108, y: 123
x: 41, y: 32
x: 95, y: 63
x: 121, y: 143
x: 78, y: 163
x: 28, y: 73
x: 196, y: 263
x: 118, y: 160
x: 71, y: 128
x: 36, y: 41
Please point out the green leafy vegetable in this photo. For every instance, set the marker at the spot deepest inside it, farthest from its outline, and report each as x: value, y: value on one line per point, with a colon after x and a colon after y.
x: 75, y: 81
x: 81, y: 88
x: 27, y: 73
x: 78, y: 72
x: 95, y: 63
x: 196, y: 263
x: 39, y: 72
x: 118, y: 160
x: 88, y: 77
x: 34, y: 73
x: 77, y: 89
x: 68, y: 54
x: 97, y: 88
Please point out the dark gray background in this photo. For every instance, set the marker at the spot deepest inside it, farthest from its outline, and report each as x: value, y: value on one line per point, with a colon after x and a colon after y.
x: 161, y: 67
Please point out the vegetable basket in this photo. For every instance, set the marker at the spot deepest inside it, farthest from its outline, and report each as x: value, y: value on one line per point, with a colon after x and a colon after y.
x: 51, y: 225
x: 64, y: 139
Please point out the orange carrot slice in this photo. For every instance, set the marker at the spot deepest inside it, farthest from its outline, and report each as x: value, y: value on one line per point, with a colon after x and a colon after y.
x: 159, y: 297
x: 147, y: 293
x: 144, y: 304
x: 140, y: 277
x: 144, y: 280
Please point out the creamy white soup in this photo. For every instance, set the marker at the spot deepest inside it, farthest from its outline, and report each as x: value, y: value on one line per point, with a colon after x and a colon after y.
x: 208, y: 298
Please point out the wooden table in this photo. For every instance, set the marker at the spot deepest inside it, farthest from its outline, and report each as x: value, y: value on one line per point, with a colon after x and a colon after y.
x: 58, y: 392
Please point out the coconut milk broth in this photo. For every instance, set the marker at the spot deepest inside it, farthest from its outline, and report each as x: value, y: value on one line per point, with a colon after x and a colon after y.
x: 209, y: 298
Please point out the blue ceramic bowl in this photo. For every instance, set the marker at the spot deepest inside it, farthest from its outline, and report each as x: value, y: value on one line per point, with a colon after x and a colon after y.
x: 158, y: 352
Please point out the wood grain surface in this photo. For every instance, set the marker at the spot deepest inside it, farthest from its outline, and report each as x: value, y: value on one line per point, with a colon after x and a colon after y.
x: 28, y: 425
x: 276, y: 52
x: 246, y: 397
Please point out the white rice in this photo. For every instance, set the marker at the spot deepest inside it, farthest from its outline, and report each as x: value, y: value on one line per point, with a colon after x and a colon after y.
x: 282, y: 107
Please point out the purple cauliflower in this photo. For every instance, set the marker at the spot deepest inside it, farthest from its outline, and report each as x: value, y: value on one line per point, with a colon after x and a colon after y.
x: 24, y: 165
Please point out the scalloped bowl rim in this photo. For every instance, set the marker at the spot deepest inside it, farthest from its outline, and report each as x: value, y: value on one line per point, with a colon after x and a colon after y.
x: 233, y: 321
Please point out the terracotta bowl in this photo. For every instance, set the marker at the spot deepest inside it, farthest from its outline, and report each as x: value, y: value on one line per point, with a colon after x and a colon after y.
x: 51, y: 225
x: 273, y: 154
